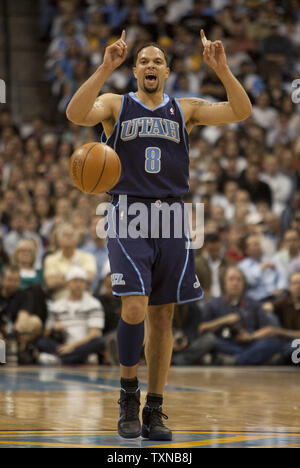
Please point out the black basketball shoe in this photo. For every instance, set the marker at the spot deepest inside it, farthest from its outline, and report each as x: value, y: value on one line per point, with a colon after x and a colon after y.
x: 129, y: 425
x: 153, y: 427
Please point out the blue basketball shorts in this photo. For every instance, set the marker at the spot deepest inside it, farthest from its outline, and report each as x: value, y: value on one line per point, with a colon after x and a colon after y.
x: 152, y: 260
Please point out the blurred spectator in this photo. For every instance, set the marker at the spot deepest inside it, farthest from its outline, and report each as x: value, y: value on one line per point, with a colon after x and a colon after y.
x: 112, y: 310
x: 263, y: 114
x: 43, y: 211
x: 75, y: 324
x: 160, y: 27
x: 277, y: 50
x: 241, y: 326
x: 24, y: 258
x: 111, y: 305
x: 189, y: 348
x: 279, y: 183
x: 198, y: 18
x: 259, y: 191
x: 272, y: 228
x: 22, y: 313
x: 230, y: 192
x: 290, y: 249
x: 4, y: 258
x: 234, y: 248
x: 287, y: 310
x: 210, y: 188
x: 243, y: 202
x: 59, y: 263
x: 265, y: 277
x: 211, y: 266
x: 255, y: 225
x: 19, y: 232
x: 9, y: 203
x: 98, y: 248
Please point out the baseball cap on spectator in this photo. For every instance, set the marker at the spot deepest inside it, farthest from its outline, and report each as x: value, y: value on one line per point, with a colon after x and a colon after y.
x: 254, y: 218
x: 76, y: 273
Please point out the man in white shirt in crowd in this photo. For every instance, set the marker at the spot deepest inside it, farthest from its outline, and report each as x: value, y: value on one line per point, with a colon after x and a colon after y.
x: 265, y: 277
x: 74, y: 326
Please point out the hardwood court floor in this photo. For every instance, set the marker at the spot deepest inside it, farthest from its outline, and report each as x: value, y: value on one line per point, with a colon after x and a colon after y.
x: 207, y: 407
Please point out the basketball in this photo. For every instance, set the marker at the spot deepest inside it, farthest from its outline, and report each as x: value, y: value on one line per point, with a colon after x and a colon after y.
x: 95, y: 168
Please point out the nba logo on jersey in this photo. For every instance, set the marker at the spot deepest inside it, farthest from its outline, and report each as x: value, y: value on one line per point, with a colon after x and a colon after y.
x: 172, y: 110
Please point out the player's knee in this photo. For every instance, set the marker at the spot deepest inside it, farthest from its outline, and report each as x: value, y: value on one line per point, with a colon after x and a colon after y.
x: 133, y: 312
x: 162, y: 319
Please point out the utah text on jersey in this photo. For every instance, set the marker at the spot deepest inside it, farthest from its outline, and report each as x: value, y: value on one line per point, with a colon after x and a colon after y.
x: 150, y: 127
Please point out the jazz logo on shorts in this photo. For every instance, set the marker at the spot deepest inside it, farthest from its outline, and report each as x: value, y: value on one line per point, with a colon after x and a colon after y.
x: 117, y: 279
x: 2, y: 352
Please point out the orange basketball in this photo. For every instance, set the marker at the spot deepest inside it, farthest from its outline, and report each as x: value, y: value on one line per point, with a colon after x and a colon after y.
x: 95, y: 168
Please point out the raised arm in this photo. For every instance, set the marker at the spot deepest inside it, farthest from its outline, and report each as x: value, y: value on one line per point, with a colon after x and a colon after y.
x: 85, y: 107
x: 237, y: 108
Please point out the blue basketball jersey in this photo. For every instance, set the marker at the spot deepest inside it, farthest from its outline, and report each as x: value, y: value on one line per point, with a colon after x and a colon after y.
x: 153, y: 149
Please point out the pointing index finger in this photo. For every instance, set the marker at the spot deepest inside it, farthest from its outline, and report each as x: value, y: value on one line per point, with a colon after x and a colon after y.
x: 123, y: 35
x: 203, y: 38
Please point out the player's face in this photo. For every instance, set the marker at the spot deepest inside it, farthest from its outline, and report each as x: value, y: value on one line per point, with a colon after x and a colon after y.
x: 151, y: 70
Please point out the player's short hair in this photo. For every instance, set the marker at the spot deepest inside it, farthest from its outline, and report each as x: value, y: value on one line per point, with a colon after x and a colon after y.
x: 152, y: 44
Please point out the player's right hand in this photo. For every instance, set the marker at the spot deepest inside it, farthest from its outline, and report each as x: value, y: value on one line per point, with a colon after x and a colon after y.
x: 116, y: 53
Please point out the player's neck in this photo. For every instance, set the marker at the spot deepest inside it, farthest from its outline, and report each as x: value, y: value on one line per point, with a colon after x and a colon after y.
x: 151, y: 100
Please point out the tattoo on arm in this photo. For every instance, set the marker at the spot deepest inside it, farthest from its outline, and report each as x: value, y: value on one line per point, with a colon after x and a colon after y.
x: 203, y: 102
x: 98, y: 104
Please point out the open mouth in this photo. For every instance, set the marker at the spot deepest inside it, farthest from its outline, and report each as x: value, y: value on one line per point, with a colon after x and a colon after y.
x: 151, y: 78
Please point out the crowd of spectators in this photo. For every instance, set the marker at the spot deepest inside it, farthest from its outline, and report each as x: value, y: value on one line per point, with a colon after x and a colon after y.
x: 56, y: 302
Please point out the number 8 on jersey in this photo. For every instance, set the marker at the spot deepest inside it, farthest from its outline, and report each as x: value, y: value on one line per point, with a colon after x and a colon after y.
x: 153, y: 160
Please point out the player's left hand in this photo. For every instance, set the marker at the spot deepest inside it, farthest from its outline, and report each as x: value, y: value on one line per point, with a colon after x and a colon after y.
x: 214, y: 53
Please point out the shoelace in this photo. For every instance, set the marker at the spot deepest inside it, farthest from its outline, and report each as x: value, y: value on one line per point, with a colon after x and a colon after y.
x: 156, y: 416
x: 130, y: 402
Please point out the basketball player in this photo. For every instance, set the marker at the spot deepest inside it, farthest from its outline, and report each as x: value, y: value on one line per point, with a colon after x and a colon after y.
x: 149, y: 131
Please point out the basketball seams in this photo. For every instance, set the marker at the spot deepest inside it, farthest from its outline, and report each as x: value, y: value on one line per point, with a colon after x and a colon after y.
x: 84, y: 164
x: 84, y: 161
x: 103, y: 167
